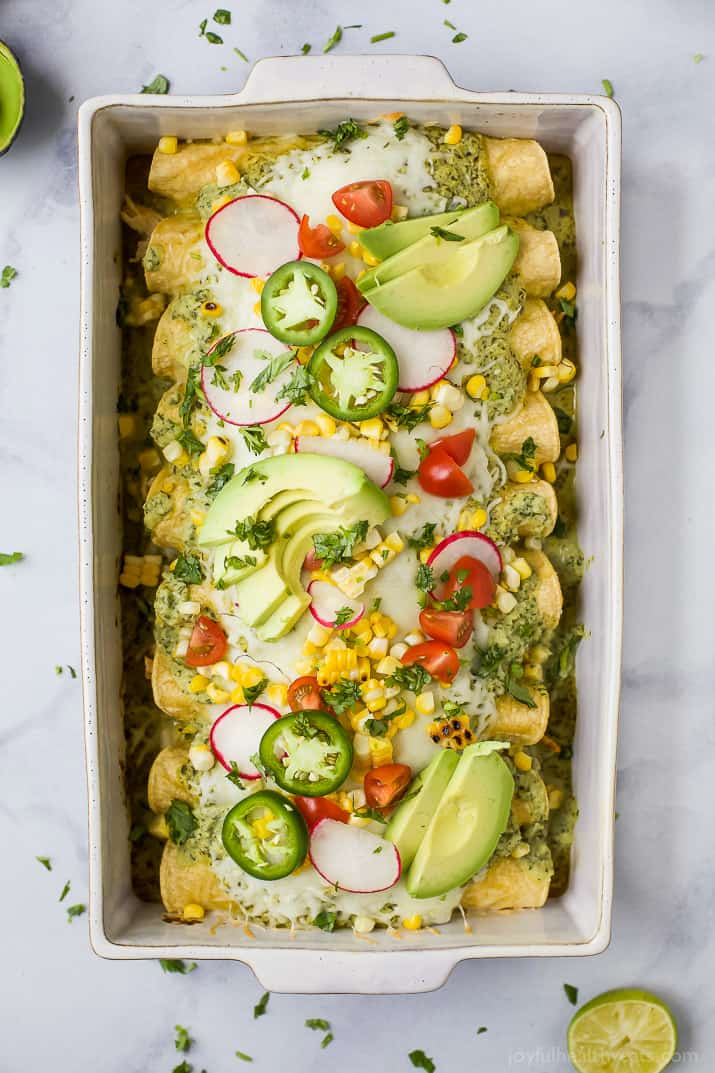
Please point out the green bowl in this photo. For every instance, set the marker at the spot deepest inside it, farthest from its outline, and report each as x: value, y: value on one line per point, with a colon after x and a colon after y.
x: 12, y: 98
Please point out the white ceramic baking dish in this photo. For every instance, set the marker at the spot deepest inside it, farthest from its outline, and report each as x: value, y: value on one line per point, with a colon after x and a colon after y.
x: 306, y: 94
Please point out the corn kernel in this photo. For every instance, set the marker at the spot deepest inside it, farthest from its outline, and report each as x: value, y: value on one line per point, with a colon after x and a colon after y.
x: 453, y: 135
x: 217, y: 695
x: 380, y: 751
x: 566, y: 371
x: 334, y: 223
x: 523, y: 476
x: 506, y: 602
x: 192, y: 913
x: 198, y: 683
x: 370, y: 259
x: 387, y: 666
x: 251, y: 676
x: 571, y: 452
x: 226, y: 174
x: 522, y: 568
x: 548, y: 472
x: 399, y: 212
x: 354, y: 229
x: 413, y: 923
x: 420, y: 398
x: 373, y: 428
x: 236, y: 137
x: 220, y: 202
x: 522, y: 761
x: 362, y: 925
x: 319, y: 635
x: 550, y: 384
x: 398, y: 506
x: 394, y: 542
x: 556, y: 798
x: 512, y: 578
x: 257, y: 283
x: 425, y: 554
x: 479, y: 518
x: 325, y: 424
x: 567, y: 292
x: 211, y: 309
x: 307, y: 428
x: 448, y: 395
x: 278, y: 693
x: 377, y: 648
x: 415, y: 637
x: 355, y: 248
x: 464, y: 521
x: 397, y: 651
x: 413, y: 497
x: 440, y: 416
x: 168, y: 144
x: 424, y: 702
x: 534, y: 671
x: 402, y: 722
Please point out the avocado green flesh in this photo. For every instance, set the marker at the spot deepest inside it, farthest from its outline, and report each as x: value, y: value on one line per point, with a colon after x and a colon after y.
x: 464, y: 831
x: 412, y: 817
x: 451, y: 289
x: 471, y: 224
x: 12, y: 97
x: 388, y: 239
x: 338, y: 485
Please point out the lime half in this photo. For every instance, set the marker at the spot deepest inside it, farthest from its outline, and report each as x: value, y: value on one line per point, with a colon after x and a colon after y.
x: 624, y: 1031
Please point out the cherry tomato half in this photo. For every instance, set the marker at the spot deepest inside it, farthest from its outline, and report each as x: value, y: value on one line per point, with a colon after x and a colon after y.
x: 454, y: 627
x: 471, y: 573
x: 438, y: 659
x: 208, y: 643
x: 440, y: 475
x: 350, y: 304
x: 458, y: 446
x: 385, y: 785
x: 318, y: 241
x: 367, y: 203
x: 305, y: 693
x: 315, y: 809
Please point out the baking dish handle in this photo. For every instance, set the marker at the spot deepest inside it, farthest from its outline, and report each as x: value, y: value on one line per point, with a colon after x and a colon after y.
x: 290, y: 78
x: 333, y: 972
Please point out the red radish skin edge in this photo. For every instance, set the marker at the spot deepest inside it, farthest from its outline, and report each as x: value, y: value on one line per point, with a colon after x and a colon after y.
x: 391, y: 468
x: 349, y: 890
x: 326, y: 622
x: 206, y: 369
x: 249, y: 776
x: 364, y: 313
x: 468, y: 534
x: 217, y: 255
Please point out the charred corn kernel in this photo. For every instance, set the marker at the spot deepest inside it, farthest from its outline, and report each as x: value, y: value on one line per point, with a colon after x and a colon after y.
x: 448, y: 395
x: 277, y: 693
x: 425, y: 554
x: 522, y: 761
x: 512, y: 578
x: 413, y: 497
x: 211, y: 309
x: 571, y: 452
x: 534, y: 671
x: 523, y: 476
x: 251, y: 676
x: 398, y: 506
x: 168, y: 144
x: 420, y: 398
x: 402, y: 722
x: 464, y: 521
x: 453, y: 135
x: 261, y: 827
x: 548, y: 472
x: 226, y: 174
x: 354, y: 229
x: 522, y: 567
x: 217, y: 449
x: 380, y: 751
x: 307, y: 428
x: 217, y: 695
x: 370, y: 259
x: 355, y: 248
x: 556, y: 798
x: 399, y: 212
x: 325, y: 424
x: 373, y: 428
x: 413, y: 923
x: 334, y: 223
x: 258, y: 284
x: 424, y: 702
x: 193, y: 913
x: 567, y: 292
x: 387, y: 666
x: 440, y: 416
x: 319, y: 635
x: 236, y: 137
x: 567, y: 371
x: 506, y: 602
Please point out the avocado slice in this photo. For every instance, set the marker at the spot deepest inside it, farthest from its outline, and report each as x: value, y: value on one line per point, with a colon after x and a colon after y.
x: 389, y: 238
x: 12, y: 98
x: 283, y: 618
x: 230, y: 575
x: 467, y: 825
x: 452, y: 288
x: 412, y: 817
x: 470, y: 225
x: 262, y: 591
x: 338, y: 486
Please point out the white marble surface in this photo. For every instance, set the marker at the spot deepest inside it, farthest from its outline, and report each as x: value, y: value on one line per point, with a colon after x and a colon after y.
x: 65, y: 1009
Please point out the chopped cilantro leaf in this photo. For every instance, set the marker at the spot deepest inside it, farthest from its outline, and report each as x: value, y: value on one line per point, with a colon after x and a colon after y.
x: 234, y: 776
x: 222, y: 16
x: 325, y: 920
x: 424, y: 537
x: 414, y: 677
x: 420, y: 1061
x: 75, y: 911
x: 187, y: 568
x: 334, y: 40
x: 382, y: 37
x: 244, y: 57
x: 160, y: 84
x: 343, y: 615
x: 698, y: 57
x: 482, y: 1028
x: 424, y: 578
x: 458, y: 38
x: 7, y: 275
x: 345, y: 132
x: 183, y: 1067
x: 256, y: 534
x: 402, y: 476
x: 607, y: 86
x: 305, y: 48
x: 252, y: 693
x: 296, y: 387
x: 260, y: 1008
x: 220, y: 477
x: 400, y: 127
x: 183, y: 1040
x: 254, y: 438
x: 212, y: 38
x: 318, y: 1024
x: 45, y: 862
x: 448, y: 236
x: 7, y: 558
x: 327, y: 1039
x: 243, y: 1057
x: 65, y: 891
x: 336, y: 546
x: 276, y: 364
x: 181, y: 822
x: 408, y: 417
x: 571, y: 993
x: 191, y: 444
x: 239, y: 562
x: 343, y: 694
x: 176, y: 965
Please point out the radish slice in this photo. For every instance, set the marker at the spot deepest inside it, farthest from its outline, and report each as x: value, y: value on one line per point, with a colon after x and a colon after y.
x: 469, y: 542
x: 246, y: 407
x: 237, y: 733
x: 424, y: 357
x: 253, y: 235
x: 327, y: 600
x: 353, y: 859
x: 377, y: 466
